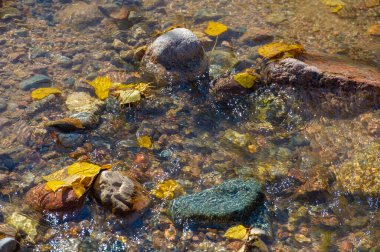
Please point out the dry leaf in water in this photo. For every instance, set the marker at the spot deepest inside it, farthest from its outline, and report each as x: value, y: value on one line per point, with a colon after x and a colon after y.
x: 280, y: 50
x: 238, y: 232
x: 41, y: 93
x: 374, y: 30
x: 67, y: 124
x: 102, y: 86
x: 25, y: 224
x: 144, y: 142
x: 336, y: 5
x: 246, y: 80
x: 168, y: 190
x: 214, y: 28
x: 128, y: 96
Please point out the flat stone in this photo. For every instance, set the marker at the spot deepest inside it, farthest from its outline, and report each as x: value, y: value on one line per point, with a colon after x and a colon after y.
x: 233, y: 200
x: 36, y: 81
x: 79, y: 15
x: 322, y: 71
x: 8, y: 245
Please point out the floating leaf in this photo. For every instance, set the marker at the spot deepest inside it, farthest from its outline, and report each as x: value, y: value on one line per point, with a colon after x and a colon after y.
x: 41, y: 93
x: 102, y: 86
x: 168, y: 190
x: 144, y: 142
x: 238, y: 232
x: 215, y: 28
x: 128, y: 96
x: 245, y: 79
x: 280, y: 50
x: 68, y: 124
x: 78, y: 176
x: 24, y: 224
x: 336, y: 5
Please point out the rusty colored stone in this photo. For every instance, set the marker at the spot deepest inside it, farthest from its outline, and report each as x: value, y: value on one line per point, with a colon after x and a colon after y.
x: 62, y: 200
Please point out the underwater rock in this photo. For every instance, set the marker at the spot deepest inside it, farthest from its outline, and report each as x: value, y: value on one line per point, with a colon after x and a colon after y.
x: 36, y: 81
x: 8, y: 245
x: 62, y: 200
x: 79, y: 15
x: 226, y: 88
x: 120, y: 193
x: 322, y: 71
x: 85, y: 108
x: 221, y: 61
x: 70, y: 139
x: 233, y: 200
x: 174, y: 57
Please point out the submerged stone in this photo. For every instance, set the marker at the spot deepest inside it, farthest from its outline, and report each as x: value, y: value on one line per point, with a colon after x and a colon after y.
x: 175, y: 56
x: 8, y: 245
x: 36, y: 81
x: 233, y: 200
x: 79, y: 15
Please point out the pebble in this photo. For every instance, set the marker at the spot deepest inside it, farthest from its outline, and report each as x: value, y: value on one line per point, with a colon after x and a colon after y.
x: 70, y: 140
x: 8, y: 245
x: 36, y: 81
x: 3, y: 105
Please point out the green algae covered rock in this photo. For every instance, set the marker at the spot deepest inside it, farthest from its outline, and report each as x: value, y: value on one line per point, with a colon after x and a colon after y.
x: 233, y: 200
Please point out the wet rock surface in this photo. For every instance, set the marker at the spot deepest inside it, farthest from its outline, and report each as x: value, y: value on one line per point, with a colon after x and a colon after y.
x: 8, y: 245
x: 322, y: 71
x: 120, y: 193
x: 36, y: 81
x: 63, y: 200
x: 79, y: 15
x: 175, y: 56
x: 233, y: 200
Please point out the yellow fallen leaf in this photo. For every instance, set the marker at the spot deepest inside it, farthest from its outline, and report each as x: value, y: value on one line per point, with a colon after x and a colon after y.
x: 41, y: 93
x: 280, y: 50
x: 238, y: 232
x: 215, y: 28
x: 77, y: 176
x: 102, y: 86
x: 336, y: 5
x: 128, y: 96
x: 145, y: 142
x: 245, y: 79
x: 168, y: 190
x: 25, y: 224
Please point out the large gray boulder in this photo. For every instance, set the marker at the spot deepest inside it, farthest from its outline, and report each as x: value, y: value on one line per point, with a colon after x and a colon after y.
x: 176, y: 56
x: 120, y: 193
x: 233, y: 200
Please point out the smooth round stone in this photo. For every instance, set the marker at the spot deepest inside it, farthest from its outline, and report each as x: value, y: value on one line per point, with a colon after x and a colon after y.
x: 8, y: 245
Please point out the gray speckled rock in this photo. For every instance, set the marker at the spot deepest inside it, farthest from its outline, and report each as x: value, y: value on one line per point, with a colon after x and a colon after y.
x: 70, y: 139
x: 120, y: 193
x: 175, y: 56
x: 233, y: 200
x: 3, y: 104
x: 36, y: 81
x: 8, y: 245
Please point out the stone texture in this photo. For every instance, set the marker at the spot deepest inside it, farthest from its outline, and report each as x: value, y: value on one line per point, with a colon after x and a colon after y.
x: 85, y: 108
x: 121, y: 194
x: 8, y: 245
x: 62, y: 200
x: 225, y: 88
x: 322, y: 71
x: 176, y: 56
x: 79, y: 15
x: 36, y: 81
x: 233, y: 200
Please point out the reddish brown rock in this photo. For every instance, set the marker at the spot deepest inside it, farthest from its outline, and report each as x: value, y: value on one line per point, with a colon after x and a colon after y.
x: 225, y: 88
x: 322, y: 71
x: 62, y: 200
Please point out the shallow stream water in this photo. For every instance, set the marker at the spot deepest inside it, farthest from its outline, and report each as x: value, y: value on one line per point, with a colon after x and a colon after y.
x: 317, y: 158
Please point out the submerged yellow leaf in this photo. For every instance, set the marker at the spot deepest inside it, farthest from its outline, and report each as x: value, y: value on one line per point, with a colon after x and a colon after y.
x: 128, y: 96
x: 168, y: 190
x: 245, y: 79
x: 215, y: 28
x: 102, y: 86
x: 78, y: 176
x: 238, y: 232
x: 41, y: 93
x: 336, y: 5
x: 279, y: 49
x: 25, y: 224
x: 145, y: 142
